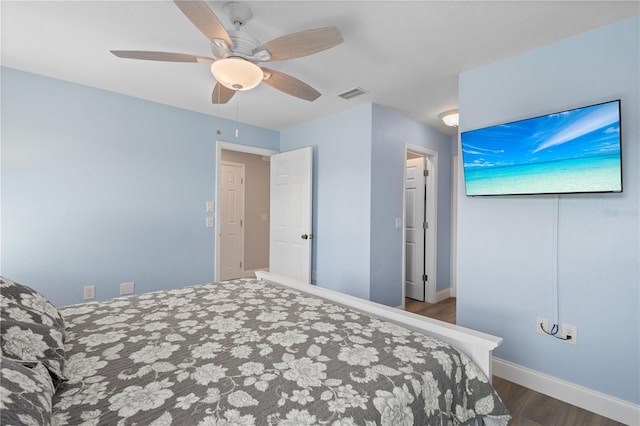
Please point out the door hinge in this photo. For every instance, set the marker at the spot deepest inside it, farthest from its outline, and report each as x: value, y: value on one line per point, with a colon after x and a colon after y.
x: 240, y: 222
x: 424, y: 278
x: 241, y: 181
x: 425, y: 225
x: 425, y: 172
x: 241, y: 264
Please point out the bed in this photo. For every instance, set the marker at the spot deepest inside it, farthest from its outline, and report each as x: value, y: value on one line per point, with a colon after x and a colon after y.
x: 265, y: 351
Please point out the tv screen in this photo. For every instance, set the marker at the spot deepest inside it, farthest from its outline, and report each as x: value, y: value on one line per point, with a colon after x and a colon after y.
x: 574, y: 151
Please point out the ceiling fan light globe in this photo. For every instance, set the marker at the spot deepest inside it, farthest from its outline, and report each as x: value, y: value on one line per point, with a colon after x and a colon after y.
x: 236, y: 73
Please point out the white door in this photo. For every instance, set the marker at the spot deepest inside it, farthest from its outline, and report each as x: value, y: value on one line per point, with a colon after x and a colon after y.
x: 231, y: 220
x: 290, y: 227
x: 414, y: 229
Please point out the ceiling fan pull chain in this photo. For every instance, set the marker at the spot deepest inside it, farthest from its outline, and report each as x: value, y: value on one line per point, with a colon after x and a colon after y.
x: 219, y: 132
x: 237, y: 120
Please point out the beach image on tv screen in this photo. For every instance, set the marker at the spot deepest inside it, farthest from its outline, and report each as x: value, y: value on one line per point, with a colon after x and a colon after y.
x: 568, y: 152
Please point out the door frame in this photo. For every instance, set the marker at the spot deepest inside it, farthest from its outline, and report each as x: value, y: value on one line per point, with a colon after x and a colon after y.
x: 220, y: 145
x: 431, y: 216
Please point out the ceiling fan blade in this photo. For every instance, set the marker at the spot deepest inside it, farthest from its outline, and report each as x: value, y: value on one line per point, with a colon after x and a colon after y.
x: 290, y: 85
x: 204, y: 19
x: 303, y: 43
x: 221, y: 94
x: 160, y: 56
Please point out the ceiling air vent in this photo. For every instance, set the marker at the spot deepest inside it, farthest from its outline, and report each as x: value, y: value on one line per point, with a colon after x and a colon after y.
x: 349, y: 94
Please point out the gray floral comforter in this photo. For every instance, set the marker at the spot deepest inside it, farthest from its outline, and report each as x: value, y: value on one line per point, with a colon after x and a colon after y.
x: 247, y: 352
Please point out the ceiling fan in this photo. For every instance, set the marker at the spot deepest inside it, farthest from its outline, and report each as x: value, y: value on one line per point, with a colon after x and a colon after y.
x: 237, y: 53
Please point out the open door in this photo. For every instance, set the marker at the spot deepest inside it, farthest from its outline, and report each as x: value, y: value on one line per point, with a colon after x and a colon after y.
x: 290, y: 226
x: 421, y: 224
x: 415, y: 276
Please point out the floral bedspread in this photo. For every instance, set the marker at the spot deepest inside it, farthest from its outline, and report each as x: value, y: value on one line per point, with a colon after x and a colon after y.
x: 248, y: 352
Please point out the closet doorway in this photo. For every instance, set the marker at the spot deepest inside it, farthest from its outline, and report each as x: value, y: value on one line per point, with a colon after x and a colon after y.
x: 420, y: 225
x: 242, y: 210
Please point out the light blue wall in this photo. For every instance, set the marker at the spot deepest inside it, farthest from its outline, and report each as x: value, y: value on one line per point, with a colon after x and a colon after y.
x: 391, y: 131
x: 342, y: 196
x: 100, y: 188
x: 504, y: 246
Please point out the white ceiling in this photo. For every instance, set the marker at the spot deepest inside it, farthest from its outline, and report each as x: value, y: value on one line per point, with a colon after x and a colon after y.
x: 406, y: 54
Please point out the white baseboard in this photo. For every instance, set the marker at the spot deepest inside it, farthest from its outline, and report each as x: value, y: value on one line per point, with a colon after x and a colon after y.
x: 251, y: 273
x: 580, y: 396
x: 443, y: 294
x: 440, y: 296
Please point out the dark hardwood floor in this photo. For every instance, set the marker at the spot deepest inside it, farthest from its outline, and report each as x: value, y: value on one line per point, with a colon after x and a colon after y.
x: 527, y: 407
x: 444, y: 311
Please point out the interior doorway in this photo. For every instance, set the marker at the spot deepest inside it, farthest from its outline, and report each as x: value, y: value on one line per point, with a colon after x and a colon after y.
x: 248, y: 219
x: 420, y: 225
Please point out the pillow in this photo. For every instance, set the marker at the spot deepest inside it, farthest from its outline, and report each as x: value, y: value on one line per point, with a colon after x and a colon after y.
x: 34, y: 342
x: 26, y: 393
x: 22, y: 303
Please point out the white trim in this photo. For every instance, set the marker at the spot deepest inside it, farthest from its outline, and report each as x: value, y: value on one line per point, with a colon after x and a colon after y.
x: 443, y: 294
x: 220, y: 145
x: 580, y: 396
x: 440, y: 296
x: 251, y: 273
x: 454, y: 225
x: 477, y: 345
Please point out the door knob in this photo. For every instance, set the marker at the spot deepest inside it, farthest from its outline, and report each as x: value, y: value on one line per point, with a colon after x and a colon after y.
x: 307, y: 236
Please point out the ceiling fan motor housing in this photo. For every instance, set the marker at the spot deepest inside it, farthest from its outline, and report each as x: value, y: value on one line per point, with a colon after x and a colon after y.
x: 244, y: 46
x: 243, y: 42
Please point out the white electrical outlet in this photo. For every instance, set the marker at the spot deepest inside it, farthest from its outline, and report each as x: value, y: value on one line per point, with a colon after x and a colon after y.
x: 209, y: 223
x: 89, y: 292
x: 545, y: 325
x: 127, y: 288
x: 571, y: 331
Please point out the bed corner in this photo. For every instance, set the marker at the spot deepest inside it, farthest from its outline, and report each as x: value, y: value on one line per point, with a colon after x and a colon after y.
x: 476, y: 345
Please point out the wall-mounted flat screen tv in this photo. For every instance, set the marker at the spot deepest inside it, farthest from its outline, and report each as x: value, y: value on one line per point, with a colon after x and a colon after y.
x: 574, y: 151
